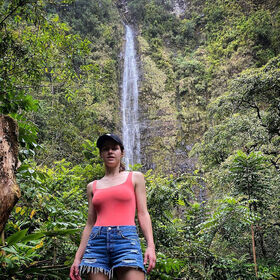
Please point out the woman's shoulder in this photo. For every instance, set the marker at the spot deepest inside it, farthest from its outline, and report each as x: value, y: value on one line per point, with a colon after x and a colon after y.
x: 91, y: 186
x: 137, y: 177
x: 91, y: 183
x: 137, y: 174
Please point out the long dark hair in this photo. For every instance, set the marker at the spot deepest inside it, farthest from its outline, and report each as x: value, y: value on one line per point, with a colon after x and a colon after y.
x: 122, y: 166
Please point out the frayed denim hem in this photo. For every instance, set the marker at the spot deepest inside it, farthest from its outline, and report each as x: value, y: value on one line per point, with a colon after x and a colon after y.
x: 91, y: 269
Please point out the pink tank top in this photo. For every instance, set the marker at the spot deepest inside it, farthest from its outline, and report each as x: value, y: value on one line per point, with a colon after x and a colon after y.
x: 115, y: 206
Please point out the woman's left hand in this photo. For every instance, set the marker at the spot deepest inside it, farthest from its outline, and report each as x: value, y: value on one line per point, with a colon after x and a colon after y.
x: 150, y: 257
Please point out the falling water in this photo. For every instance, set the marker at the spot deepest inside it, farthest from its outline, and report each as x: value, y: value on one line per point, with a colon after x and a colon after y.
x: 131, y: 134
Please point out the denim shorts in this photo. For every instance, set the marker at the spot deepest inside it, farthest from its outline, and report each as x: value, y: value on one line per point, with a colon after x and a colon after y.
x: 111, y: 247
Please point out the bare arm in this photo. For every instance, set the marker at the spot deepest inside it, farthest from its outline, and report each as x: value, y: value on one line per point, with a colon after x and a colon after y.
x: 144, y: 218
x: 74, y: 273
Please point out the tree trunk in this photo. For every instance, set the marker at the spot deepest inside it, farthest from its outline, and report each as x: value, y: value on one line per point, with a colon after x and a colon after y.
x: 259, y: 232
x: 254, y: 250
x: 9, y: 190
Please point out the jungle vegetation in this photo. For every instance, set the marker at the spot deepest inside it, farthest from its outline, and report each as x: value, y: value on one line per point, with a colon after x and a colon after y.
x: 60, y: 68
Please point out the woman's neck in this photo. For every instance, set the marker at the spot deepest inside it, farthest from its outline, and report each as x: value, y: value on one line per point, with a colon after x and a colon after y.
x: 112, y: 172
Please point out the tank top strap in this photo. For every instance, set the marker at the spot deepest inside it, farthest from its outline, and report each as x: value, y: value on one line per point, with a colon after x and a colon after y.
x: 129, y: 178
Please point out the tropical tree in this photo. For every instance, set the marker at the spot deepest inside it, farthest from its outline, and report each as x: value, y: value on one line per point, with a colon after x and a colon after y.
x: 33, y: 56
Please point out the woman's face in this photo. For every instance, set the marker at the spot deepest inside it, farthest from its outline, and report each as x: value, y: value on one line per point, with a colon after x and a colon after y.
x: 111, y: 153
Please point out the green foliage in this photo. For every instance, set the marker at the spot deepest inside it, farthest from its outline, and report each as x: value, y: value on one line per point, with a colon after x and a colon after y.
x: 222, y: 139
x: 34, y: 50
x: 249, y: 111
x: 242, y: 118
x: 137, y: 9
x: 230, y: 28
x: 249, y: 175
x: 18, y: 255
x: 47, y: 68
x: 59, y: 79
x: 167, y: 268
x: 68, y: 116
x: 229, y: 210
x: 37, y: 52
x: 258, y: 90
x: 44, y: 228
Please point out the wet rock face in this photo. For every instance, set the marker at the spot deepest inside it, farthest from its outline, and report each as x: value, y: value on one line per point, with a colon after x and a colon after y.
x: 161, y: 145
x: 179, y: 7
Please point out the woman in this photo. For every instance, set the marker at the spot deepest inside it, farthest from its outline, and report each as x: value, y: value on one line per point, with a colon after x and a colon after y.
x: 109, y: 242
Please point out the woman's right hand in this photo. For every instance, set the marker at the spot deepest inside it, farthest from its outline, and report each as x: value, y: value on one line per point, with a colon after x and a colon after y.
x: 74, y: 271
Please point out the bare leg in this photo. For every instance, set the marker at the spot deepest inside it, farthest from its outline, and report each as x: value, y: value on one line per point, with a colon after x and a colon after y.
x: 97, y: 276
x: 128, y: 273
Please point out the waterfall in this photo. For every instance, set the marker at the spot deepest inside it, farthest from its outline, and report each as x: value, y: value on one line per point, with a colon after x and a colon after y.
x: 130, y: 123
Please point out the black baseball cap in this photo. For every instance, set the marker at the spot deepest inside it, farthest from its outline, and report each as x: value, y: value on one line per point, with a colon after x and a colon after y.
x: 108, y: 136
